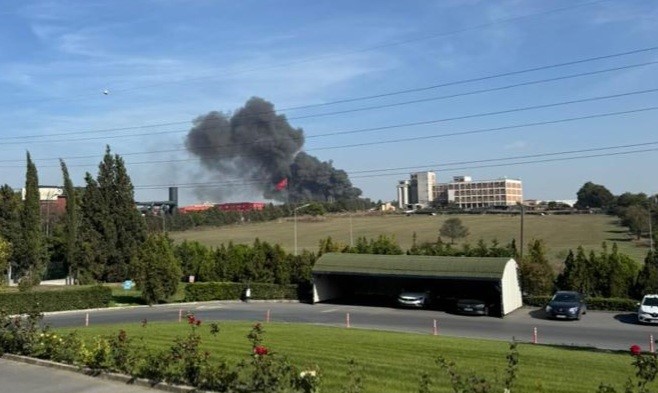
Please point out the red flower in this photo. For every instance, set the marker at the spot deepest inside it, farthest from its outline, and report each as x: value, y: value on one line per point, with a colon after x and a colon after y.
x: 197, y: 322
x: 260, y: 350
x: 636, y: 350
x: 191, y: 319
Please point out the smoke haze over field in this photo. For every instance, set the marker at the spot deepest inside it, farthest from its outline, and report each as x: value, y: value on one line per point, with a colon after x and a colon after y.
x: 252, y: 151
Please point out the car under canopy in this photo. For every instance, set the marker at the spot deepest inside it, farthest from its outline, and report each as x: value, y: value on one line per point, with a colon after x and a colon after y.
x: 351, y: 276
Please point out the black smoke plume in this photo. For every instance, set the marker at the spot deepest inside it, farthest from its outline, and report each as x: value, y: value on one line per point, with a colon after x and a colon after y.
x: 250, y: 153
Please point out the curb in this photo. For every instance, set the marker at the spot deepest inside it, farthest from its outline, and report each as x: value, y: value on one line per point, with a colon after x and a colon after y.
x: 170, y: 305
x: 126, y: 379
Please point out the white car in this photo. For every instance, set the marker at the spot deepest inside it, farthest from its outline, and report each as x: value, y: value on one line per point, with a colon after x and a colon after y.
x: 648, y: 309
x: 413, y: 299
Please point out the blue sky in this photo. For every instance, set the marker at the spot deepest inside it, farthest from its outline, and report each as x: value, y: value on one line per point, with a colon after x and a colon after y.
x: 171, y: 61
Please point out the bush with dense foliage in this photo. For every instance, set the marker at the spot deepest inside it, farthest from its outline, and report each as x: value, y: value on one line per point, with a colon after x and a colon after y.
x: 205, y: 291
x: 65, y: 298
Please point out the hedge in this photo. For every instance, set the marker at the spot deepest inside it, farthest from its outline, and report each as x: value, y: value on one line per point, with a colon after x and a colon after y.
x: 593, y: 303
x: 66, y: 298
x: 204, y: 291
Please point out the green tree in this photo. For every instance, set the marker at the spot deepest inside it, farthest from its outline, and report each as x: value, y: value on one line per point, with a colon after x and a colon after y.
x: 536, y: 273
x: 71, y: 222
x: 453, y: 229
x: 647, y: 279
x: 10, y: 202
x: 96, y: 234
x: 5, y: 255
x: 128, y: 221
x: 623, y: 271
x: 593, y: 195
x: 192, y: 255
x: 31, y: 248
x: 155, y: 269
x: 110, y: 223
x: 636, y: 218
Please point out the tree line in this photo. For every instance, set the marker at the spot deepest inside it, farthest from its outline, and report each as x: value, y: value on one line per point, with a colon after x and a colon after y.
x: 636, y: 211
x: 102, y: 237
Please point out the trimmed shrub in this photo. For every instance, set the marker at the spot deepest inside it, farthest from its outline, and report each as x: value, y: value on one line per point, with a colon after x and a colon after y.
x: 205, y: 291
x: 66, y: 298
x: 593, y: 303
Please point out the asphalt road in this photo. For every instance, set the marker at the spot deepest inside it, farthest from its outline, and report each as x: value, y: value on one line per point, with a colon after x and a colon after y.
x: 604, y: 330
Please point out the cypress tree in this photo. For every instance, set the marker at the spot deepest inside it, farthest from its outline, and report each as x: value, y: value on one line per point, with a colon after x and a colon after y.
x: 94, y: 227
x: 71, y: 222
x: 128, y: 221
x: 31, y: 248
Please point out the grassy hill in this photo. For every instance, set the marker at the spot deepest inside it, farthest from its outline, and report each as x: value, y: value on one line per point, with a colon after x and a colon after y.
x: 560, y: 232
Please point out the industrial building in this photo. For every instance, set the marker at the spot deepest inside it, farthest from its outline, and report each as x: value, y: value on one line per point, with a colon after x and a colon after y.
x: 462, y: 192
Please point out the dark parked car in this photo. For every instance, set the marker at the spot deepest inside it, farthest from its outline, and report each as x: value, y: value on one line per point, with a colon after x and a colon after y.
x: 472, y: 307
x: 566, y: 305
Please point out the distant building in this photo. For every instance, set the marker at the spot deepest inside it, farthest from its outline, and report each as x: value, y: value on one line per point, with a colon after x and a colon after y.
x: 232, y: 207
x: 463, y: 191
x: 52, y: 200
x: 403, y: 193
x: 241, y: 206
x: 196, y: 208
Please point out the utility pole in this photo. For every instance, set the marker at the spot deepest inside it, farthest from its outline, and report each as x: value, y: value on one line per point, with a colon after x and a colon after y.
x: 295, y: 224
x: 351, y: 232
x: 521, y: 245
x: 653, y: 200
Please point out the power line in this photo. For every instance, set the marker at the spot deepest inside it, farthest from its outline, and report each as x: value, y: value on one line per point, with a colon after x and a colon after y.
x: 448, y: 164
x: 486, y: 130
x: 479, y: 91
x: 530, y: 162
x: 382, y: 95
x: 254, y: 182
x: 355, y: 51
x: 388, y: 127
x: 454, y: 133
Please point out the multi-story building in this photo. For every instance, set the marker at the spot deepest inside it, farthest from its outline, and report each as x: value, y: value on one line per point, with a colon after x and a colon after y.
x: 464, y: 192
x: 422, y: 188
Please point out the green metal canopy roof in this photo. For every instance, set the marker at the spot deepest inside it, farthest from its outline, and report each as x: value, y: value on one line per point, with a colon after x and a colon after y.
x: 411, y: 265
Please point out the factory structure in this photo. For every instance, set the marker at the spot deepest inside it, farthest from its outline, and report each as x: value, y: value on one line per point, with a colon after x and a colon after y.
x: 422, y: 190
x: 52, y: 200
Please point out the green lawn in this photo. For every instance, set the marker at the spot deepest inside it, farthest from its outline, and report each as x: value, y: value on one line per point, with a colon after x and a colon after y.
x: 561, y: 232
x: 393, y: 362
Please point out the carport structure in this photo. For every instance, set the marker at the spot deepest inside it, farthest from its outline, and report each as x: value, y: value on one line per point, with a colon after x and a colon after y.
x: 356, y: 276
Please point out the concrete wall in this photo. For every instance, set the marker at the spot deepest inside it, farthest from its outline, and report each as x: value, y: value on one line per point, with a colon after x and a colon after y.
x: 323, y: 289
x: 511, y: 288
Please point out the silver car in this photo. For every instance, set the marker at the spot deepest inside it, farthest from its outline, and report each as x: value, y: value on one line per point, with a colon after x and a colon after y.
x: 414, y: 299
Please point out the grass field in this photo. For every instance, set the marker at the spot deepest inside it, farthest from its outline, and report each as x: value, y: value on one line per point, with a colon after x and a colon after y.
x: 560, y: 232
x: 393, y: 362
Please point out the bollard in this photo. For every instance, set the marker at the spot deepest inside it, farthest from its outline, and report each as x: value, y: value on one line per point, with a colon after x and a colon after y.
x: 267, y: 315
x: 87, y: 319
x: 652, y: 344
x: 347, y: 320
x: 436, y: 328
x: 180, y: 315
x: 534, y: 336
